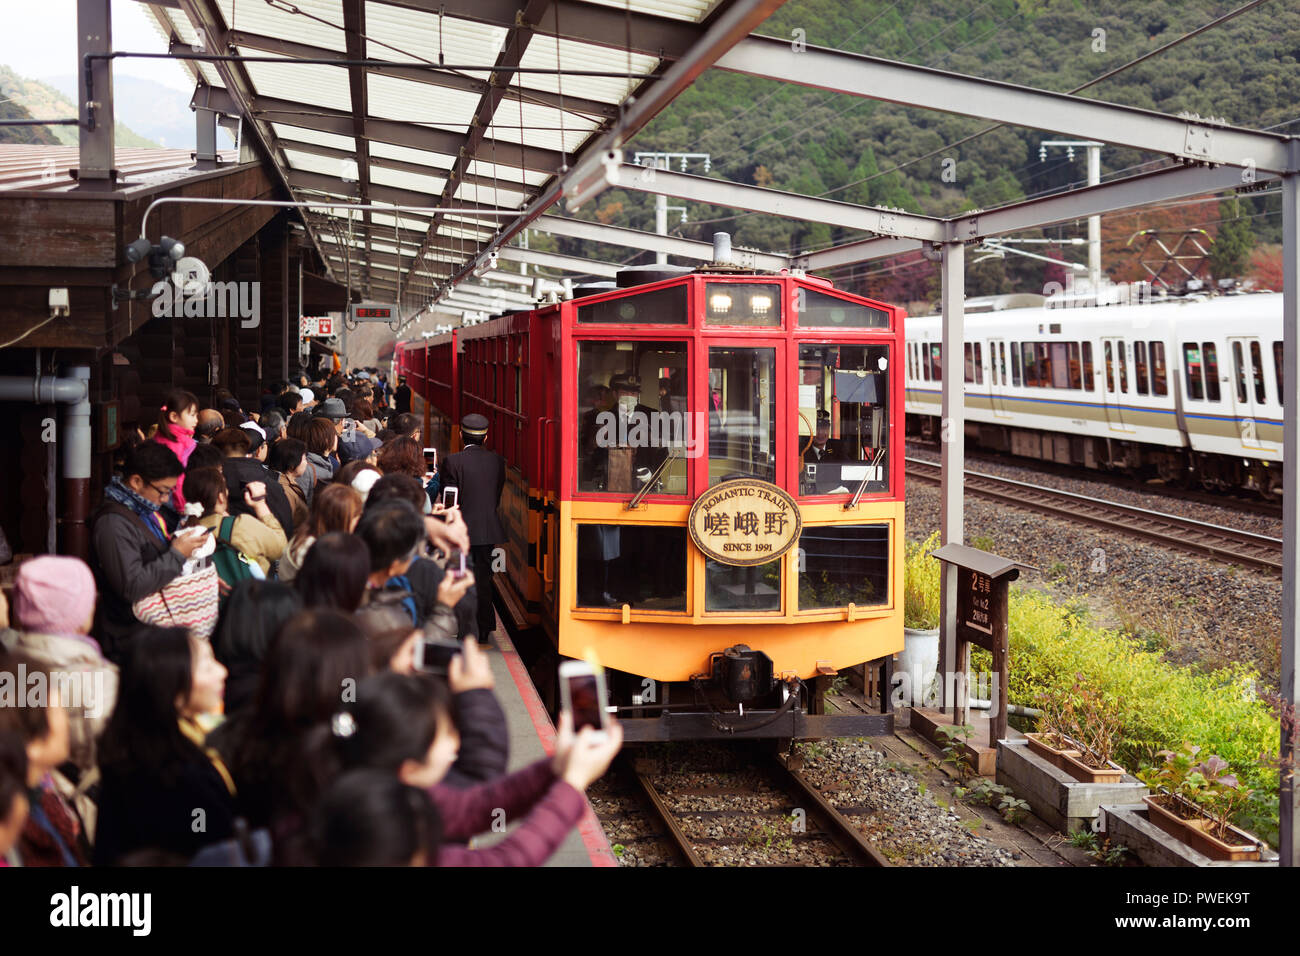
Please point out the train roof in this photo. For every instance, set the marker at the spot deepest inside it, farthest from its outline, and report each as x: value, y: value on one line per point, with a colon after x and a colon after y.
x: 1192, y: 313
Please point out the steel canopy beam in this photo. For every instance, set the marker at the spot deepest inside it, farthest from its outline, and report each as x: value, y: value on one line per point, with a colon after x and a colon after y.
x: 636, y: 239
x: 554, y: 260
x: 719, y: 192
x: 881, y: 247
x: 926, y: 88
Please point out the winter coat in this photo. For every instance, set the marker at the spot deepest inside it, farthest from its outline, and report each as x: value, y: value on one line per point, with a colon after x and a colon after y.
x: 239, y: 473
x: 51, y: 835
x: 130, y: 562
x: 300, y: 512
x: 484, y: 739
x: 291, y: 561
x: 552, y: 806
x: 322, y: 468
x: 182, y: 444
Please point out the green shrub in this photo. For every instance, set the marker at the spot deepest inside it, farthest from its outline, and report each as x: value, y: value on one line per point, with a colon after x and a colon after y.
x: 921, y: 585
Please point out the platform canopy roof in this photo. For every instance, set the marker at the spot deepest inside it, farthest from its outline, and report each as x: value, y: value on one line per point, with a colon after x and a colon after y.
x: 472, y: 106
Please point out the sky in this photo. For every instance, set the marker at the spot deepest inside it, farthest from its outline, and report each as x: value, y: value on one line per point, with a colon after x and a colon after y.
x: 39, y: 40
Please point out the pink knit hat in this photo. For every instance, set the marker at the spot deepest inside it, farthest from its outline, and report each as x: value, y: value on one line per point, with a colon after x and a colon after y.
x: 54, y: 595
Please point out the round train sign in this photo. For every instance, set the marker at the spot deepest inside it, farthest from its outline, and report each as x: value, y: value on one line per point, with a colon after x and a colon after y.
x: 744, y: 522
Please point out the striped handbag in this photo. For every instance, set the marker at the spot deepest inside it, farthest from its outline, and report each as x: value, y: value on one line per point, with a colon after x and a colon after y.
x: 191, y: 600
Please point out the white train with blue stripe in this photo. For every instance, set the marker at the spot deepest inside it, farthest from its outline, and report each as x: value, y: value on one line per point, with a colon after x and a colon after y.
x: 1187, y: 390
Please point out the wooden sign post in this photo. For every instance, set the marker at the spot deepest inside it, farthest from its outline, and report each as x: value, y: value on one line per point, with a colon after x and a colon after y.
x: 982, y: 581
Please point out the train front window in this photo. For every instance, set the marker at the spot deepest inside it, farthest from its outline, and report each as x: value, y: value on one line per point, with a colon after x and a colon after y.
x: 660, y: 307
x: 842, y: 565
x: 613, y: 570
x: 843, y: 420
x: 742, y: 413
x: 632, y: 417
x: 742, y: 303
x: 821, y: 311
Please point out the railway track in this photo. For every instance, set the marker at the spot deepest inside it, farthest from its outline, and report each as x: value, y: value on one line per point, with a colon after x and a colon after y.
x: 777, y: 812
x: 1242, y: 548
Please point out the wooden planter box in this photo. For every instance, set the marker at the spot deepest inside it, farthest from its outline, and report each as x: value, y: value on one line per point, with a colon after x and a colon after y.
x: 1196, y: 833
x: 1053, y: 756
x: 1133, y: 827
x: 1076, y: 768
x: 1056, y: 797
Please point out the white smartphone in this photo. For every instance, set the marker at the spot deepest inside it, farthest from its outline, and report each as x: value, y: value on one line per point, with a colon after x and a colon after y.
x: 450, y: 497
x: 431, y: 459
x: 582, y: 693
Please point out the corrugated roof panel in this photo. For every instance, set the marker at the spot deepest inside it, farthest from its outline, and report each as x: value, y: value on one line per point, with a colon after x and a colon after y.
x: 275, y: 21
x: 180, y: 24
x: 310, y: 84
x: 397, y: 177
x: 409, y: 155
x: 542, y: 127
x: 412, y: 35
x: 408, y: 224
x: 403, y: 100
x: 505, y: 172
x: 692, y: 11
x: 542, y: 54
x: 459, y: 232
x: 313, y: 163
x: 492, y: 195
x: 315, y: 137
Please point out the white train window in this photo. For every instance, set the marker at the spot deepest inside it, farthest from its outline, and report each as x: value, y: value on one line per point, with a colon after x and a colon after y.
x: 1015, y: 363
x: 1140, y: 367
x: 1087, y: 366
x: 1239, y: 371
x: 1159, y: 378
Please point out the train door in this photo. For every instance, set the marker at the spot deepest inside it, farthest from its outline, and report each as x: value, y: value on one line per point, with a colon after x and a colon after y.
x: 999, y: 377
x: 1114, y: 381
x: 1249, y: 392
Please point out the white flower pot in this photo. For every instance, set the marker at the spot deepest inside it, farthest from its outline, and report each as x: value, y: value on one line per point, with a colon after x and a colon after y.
x: 919, y: 660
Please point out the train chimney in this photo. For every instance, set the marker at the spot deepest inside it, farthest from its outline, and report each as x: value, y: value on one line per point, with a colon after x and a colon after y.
x: 722, y: 247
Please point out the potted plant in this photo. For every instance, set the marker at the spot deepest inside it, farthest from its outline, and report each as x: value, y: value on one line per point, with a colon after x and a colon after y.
x: 1078, y: 732
x: 920, y: 656
x: 1195, y: 802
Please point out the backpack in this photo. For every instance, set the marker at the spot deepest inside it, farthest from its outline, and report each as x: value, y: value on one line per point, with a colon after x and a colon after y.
x: 396, y: 592
x: 232, y: 567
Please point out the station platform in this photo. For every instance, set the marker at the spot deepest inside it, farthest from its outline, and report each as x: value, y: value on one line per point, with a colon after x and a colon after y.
x: 532, y: 736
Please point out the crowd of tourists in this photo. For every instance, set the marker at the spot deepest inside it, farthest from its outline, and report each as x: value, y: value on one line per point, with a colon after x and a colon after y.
x: 244, y: 673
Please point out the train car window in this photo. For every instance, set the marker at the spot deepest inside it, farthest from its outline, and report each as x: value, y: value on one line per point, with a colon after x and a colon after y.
x: 731, y: 588
x: 821, y: 311
x: 843, y: 420
x: 1109, y: 352
x: 1046, y: 376
x: 1076, y: 369
x: 1122, y: 355
x: 660, y: 307
x: 612, y: 570
x: 1257, y: 365
x: 970, y: 362
x: 1140, y: 367
x: 925, y: 362
x: 631, y: 417
x: 1211, y: 357
x: 979, y: 364
x: 1031, y: 367
x: 742, y: 303
x: 1088, y: 382
x: 1060, y: 364
x: 1159, y: 377
x: 1277, y: 367
x: 1002, y: 362
x: 936, y: 361
x: 1015, y: 364
x: 742, y: 413
x: 1239, y: 371
x: 1192, y: 371
x: 843, y: 565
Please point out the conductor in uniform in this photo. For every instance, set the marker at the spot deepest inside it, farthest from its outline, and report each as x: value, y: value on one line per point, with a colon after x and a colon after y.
x: 479, y: 475
x: 822, y: 448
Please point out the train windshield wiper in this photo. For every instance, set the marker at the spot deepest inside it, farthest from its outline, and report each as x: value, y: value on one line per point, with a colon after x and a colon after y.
x: 654, y: 477
x: 862, y: 485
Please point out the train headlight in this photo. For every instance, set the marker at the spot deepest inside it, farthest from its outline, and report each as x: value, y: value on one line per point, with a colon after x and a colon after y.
x: 719, y: 303
x: 760, y: 304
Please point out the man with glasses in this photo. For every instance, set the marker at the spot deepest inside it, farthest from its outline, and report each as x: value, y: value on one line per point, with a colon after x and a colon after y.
x: 133, y: 551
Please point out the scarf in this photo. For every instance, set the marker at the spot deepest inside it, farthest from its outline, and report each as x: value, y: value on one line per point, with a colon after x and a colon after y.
x: 195, y: 735
x: 117, y: 490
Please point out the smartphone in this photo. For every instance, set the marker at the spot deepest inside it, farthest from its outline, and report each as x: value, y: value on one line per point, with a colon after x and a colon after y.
x: 582, y: 693
x: 450, y: 497
x: 459, y: 573
x: 433, y: 656
x: 431, y: 459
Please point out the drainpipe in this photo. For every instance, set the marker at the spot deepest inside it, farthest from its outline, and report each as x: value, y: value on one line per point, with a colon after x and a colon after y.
x: 72, y: 391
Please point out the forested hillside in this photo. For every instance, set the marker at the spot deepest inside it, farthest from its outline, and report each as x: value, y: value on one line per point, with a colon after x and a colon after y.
x: 816, y: 143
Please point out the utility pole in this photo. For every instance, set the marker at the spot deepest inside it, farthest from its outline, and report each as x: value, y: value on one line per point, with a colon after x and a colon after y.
x: 1094, y: 178
x: 664, y: 161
